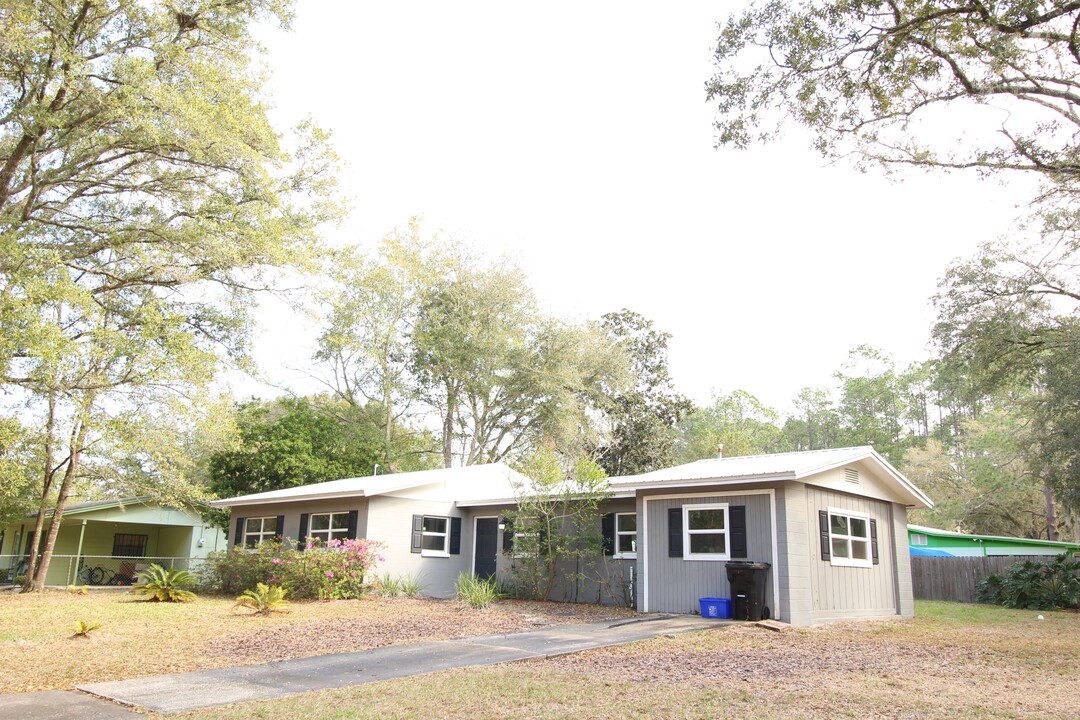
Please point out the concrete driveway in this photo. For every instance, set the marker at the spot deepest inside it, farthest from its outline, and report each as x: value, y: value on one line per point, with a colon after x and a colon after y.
x: 184, y: 692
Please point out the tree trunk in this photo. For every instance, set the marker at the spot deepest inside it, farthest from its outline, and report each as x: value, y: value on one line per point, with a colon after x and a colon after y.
x: 46, y: 485
x: 448, y: 429
x: 1051, y: 514
x: 388, y: 427
x: 36, y: 582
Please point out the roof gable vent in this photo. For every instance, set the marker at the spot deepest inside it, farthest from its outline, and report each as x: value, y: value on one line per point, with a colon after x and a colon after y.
x: 851, y: 475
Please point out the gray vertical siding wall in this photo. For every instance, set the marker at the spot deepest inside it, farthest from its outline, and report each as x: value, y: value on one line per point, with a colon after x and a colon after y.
x: 676, y: 584
x: 390, y: 522
x: 849, y: 592
x: 606, y: 579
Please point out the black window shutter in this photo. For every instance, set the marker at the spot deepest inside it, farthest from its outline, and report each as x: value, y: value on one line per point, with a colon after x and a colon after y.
x: 455, y: 536
x: 873, y: 540
x: 238, y: 539
x: 280, y: 532
x: 301, y: 537
x: 354, y: 523
x: 607, y: 527
x: 674, y: 532
x: 823, y: 529
x: 417, y: 533
x: 737, y: 522
x: 508, y: 535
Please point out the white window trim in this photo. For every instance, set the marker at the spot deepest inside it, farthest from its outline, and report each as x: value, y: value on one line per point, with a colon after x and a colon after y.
x: 445, y: 552
x: 850, y: 561
x: 624, y: 555
x: 262, y: 535
x: 918, y: 539
x: 330, y: 533
x: 687, y: 532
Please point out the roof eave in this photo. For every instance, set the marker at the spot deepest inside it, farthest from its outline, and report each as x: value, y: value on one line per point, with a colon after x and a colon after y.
x: 247, y: 502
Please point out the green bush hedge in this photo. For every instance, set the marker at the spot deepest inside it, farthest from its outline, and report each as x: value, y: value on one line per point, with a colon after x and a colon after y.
x: 1033, y: 585
x: 334, y: 571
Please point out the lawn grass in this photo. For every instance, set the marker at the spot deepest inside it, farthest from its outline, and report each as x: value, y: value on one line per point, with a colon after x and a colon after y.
x: 952, y: 661
x: 137, y: 637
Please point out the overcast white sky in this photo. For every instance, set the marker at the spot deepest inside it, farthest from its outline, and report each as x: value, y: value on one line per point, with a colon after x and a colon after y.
x: 576, y: 137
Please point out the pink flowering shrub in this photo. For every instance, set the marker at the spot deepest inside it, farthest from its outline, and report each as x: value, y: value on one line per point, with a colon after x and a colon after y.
x: 330, y: 571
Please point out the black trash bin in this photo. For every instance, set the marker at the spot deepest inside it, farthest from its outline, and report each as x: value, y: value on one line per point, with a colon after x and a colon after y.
x: 747, y: 580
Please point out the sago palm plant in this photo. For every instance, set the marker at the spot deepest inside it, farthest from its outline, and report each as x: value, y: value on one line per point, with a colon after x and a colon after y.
x: 264, y: 599
x: 166, y: 585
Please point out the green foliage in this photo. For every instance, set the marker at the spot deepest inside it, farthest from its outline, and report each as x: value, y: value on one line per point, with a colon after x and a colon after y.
x: 143, y: 197
x: 264, y: 599
x: 426, y: 325
x: 983, y: 482
x: 476, y: 593
x: 294, y: 441
x: 1035, y: 585
x: 390, y: 586
x: 83, y: 628
x: 334, y: 571
x: 911, y: 82
x: 643, y: 415
x: 738, y: 422
x: 165, y: 585
x: 556, y: 523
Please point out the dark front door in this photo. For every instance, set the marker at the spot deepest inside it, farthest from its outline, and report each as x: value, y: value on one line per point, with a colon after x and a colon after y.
x: 487, y: 547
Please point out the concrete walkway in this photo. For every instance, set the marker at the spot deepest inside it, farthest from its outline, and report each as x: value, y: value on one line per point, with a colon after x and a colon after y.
x: 184, y: 692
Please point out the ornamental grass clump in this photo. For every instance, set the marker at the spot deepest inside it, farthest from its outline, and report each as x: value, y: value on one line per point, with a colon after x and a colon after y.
x: 475, y: 592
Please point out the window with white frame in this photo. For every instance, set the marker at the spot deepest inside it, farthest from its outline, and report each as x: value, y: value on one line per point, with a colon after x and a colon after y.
x: 258, y: 529
x: 626, y: 535
x: 917, y: 539
x: 849, y: 538
x: 435, y: 540
x: 325, y: 527
x: 705, y: 531
x: 526, y: 537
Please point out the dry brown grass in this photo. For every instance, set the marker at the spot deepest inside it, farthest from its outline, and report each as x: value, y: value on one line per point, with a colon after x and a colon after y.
x: 139, y: 638
x: 952, y: 661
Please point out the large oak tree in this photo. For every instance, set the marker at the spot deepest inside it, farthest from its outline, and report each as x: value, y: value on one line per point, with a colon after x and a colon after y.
x: 142, y: 192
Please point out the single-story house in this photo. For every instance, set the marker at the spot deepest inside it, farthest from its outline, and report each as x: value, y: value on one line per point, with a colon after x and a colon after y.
x: 831, y: 524
x: 106, y: 542
x: 928, y: 541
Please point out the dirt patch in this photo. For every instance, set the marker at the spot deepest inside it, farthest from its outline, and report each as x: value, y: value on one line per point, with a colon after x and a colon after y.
x: 377, y: 623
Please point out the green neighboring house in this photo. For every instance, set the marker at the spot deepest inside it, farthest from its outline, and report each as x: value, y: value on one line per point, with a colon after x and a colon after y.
x: 106, y: 542
x: 945, y: 543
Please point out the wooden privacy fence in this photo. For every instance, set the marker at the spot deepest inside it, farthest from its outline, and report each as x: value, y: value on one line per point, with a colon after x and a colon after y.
x: 955, y: 578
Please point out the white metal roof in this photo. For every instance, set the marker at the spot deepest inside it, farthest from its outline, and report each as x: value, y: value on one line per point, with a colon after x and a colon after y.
x: 778, y: 466
x: 472, y: 482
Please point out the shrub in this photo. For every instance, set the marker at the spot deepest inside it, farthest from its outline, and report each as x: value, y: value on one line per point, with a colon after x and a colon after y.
x: 334, y: 571
x: 475, y: 592
x: 83, y: 628
x: 264, y: 599
x: 1032, y: 585
x: 166, y: 585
